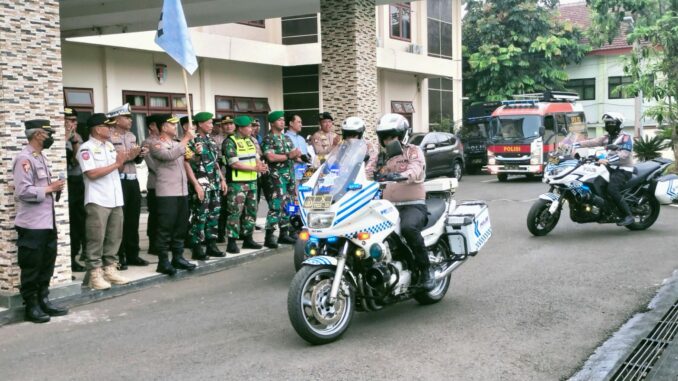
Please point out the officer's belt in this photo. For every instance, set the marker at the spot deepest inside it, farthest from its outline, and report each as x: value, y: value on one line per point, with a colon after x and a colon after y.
x: 128, y: 176
x: 413, y: 202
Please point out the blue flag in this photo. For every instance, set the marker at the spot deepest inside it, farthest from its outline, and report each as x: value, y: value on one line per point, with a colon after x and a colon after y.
x: 172, y: 35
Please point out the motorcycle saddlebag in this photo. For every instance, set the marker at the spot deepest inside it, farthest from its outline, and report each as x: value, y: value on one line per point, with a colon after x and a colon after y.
x: 468, y: 228
x: 666, y: 190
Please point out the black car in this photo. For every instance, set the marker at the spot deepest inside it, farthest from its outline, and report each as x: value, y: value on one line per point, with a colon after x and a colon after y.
x: 443, y: 151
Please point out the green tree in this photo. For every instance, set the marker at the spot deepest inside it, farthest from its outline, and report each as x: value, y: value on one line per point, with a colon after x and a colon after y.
x: 515, y: 47
x: 653, y: 66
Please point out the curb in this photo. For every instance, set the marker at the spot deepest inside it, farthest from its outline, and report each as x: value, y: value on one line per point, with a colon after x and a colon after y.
x: 87, y: 295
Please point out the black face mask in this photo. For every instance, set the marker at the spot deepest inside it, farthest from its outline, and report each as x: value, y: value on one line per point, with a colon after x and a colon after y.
x: 48, y: 142
x: 394, y: 148
x: 612, y: 129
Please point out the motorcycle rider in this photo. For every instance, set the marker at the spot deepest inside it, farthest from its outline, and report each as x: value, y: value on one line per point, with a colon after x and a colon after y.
x: 354, y: 128
x: 406, y: 160
x: 619, y: 160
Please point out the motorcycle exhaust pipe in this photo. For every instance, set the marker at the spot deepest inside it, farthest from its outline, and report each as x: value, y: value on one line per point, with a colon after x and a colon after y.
x: 440, y: 274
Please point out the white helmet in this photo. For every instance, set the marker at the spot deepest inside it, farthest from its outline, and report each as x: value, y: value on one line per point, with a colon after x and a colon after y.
x: 613, y: 122
x: 353, y: 126
x: 393, y: 125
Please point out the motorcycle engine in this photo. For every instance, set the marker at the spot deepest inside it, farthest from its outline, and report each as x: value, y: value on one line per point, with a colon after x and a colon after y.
x: 389, y: 276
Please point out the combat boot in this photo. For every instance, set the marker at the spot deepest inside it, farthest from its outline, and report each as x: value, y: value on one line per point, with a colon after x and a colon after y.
x: 47, y: 306
x: 96, y: 280
x: 33, y: 312
x: 122, y: 262
x: 270, y: 240
x: 427, y: 280
x: 213, y: 250
x: 197, y: 252
x: 285, y: 238
x: 112, y: 275
x: 179, y: 262
x: 248, y: 243
x: 164, y: 266
x: 232, y: 246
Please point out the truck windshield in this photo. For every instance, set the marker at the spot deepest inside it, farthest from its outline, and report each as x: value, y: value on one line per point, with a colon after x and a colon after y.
x: 515, y: 127
x: 474, y: 130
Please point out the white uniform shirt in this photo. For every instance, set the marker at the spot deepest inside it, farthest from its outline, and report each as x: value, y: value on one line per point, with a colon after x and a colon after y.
x: 105, y: 191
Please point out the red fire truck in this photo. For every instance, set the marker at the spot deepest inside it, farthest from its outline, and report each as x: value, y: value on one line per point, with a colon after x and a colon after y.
x: 525, y: 130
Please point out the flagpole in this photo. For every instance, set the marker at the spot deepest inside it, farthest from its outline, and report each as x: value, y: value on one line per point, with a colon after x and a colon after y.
x: 188, y: 103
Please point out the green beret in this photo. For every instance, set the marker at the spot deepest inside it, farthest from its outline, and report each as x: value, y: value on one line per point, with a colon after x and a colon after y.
x: 242, y: 121
x: 275, y: 115
x: 202, y: 117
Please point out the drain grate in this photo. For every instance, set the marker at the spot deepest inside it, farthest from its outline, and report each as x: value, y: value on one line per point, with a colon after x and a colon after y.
x: 640, y: 362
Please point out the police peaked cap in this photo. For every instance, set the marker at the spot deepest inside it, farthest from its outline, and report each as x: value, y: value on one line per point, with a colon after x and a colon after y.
x: 38, y: 123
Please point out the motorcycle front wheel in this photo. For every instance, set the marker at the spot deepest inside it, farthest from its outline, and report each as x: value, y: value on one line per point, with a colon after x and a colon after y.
x: 299, y: 254
x: 540, y: 221
x: 312, y: 316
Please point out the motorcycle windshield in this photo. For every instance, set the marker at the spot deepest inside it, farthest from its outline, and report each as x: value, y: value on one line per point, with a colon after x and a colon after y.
x: 341, y: 168
x: 566, y: 146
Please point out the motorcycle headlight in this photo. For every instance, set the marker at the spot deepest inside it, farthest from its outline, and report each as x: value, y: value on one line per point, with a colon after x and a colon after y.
x: 320, y: 220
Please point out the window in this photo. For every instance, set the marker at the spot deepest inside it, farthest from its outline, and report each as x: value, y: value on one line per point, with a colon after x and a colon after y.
x: 257, y: 108
x: 586, y: 88
x: 614, y: 89
x: 82, y: 101
x: 300, y: 29
x: 145, y: 103
x: 399, y: 15
x: 440, y: 104
x: 257, y: 23
x: 403, y: 108
x: 301, y: 95
x: 439, y: 24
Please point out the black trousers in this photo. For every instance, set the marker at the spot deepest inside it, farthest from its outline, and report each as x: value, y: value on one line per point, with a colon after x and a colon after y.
x: 152, y: 221
x: 413, y: 218
x: 37, y: 252
x: 131, y: 194
x: 618, y: 178
x: 172, y: 224
x: 77, y: 214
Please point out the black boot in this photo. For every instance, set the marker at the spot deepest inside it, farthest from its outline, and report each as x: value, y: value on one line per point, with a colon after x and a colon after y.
x: 213, y: 250
x: 248, y: 243
x: 122, y: 262
x: 232, y: 246
x: 33, y: 311
x: 164, y: 266
x: 198, y: 253
x: 137, y: 261
x: 179, y: 262
x: 629, y: 219
x: 270, y: 240
x: 49, y: 308
x: 285, y: 238
x: 427, y: 281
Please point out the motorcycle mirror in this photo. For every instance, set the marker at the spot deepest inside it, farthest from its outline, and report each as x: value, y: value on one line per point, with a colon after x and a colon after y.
x: 393, y: 149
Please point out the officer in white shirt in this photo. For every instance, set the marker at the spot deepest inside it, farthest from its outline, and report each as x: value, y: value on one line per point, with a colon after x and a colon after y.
x: 103, y: 203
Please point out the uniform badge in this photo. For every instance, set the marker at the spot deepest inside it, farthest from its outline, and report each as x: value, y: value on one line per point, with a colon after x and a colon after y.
x: 26, y: 165
x: 85, y: 155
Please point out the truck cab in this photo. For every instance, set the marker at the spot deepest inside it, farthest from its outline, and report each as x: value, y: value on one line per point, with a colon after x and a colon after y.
x: 475, y: 134
x: 525, y: 130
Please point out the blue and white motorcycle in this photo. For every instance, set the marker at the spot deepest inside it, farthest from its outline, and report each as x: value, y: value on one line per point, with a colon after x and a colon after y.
x: 582, y: 182
x: 356, y: 259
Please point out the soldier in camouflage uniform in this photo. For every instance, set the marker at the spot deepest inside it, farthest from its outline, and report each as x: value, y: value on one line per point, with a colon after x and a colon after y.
x: 226, y: 129
x: 278, y: 184
x: 204, y: 174
x: 240, y: 154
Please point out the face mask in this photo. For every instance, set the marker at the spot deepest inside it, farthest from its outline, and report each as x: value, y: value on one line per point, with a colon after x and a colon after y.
x: 48, y: 142
x: 393, y: 149
x: 612, y: 129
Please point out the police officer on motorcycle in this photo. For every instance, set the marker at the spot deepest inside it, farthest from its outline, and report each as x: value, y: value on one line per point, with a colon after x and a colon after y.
x: 354, y: 128
x: 619, y: 160
x: 406, y: 162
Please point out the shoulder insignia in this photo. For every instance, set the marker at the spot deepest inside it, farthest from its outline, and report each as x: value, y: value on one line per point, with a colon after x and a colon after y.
x: 26, y: 166
x: 85, y: 155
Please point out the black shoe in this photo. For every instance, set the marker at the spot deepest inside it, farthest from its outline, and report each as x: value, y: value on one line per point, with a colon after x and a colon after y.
x: 198, y: 253
x: 122, y: 262
x: 628, y: 220
x: 76, y: 267
x: 428, y: 280
x: 213, y: 250
x: 270, y: 240
x: 181, y: 263
x: 137, y: 261
x: 248, y: 243
x: 285, y: 238
x: 49, y: 308
x: 33, y: 311
x: 164, y: 267
x: 232, y: 246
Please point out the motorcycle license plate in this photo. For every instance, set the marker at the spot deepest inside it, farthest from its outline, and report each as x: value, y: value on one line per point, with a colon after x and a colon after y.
x: 318, y: 202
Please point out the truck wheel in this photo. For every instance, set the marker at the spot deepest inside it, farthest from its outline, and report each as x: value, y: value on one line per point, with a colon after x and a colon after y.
x: 502, y: 177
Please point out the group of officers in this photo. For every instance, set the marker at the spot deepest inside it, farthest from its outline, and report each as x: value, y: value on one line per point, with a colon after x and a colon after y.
x: 203, y: 186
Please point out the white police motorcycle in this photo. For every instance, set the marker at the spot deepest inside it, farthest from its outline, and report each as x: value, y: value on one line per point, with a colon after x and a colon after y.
x: 581, y: 183
x: 356, y: 259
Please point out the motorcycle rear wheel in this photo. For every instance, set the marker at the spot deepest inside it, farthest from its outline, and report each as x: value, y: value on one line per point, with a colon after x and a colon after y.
x: 539, y: 221
x: 314, y: 319
x: 650, y: 209
x: 442, y: 285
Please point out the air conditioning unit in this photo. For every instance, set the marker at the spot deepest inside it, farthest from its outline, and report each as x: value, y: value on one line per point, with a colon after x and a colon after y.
x: 414, y: 48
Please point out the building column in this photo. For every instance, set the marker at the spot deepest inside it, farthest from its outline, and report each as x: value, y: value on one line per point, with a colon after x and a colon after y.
x: 349, y: 60
x: 31, y: 88
x: 457, y: 88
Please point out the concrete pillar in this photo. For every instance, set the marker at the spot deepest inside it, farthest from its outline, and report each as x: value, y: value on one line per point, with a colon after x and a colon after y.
x: 30, y: 88
x: 349, y: 60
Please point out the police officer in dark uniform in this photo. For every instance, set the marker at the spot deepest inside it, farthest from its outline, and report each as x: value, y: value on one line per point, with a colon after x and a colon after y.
x: 34, y: 192
x: 76, y: 188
